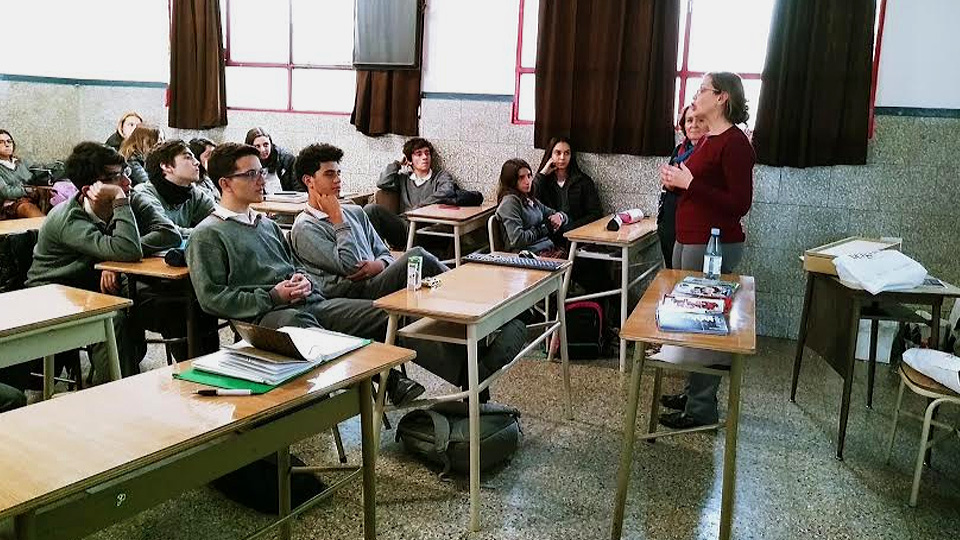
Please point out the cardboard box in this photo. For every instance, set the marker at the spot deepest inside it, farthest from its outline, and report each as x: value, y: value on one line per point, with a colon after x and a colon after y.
x: 820, y: 259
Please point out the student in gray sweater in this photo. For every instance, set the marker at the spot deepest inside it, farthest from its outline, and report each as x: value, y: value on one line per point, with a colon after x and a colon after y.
x: 418, y: 180
x: 242, y: 267
x: 97, y: 225
x: 338, y: 244
x: 171, y: 191
x: 527, y: 222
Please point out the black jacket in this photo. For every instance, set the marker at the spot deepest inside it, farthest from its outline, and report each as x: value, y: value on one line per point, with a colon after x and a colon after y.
x: 283, y: 163
x: 582, y: 196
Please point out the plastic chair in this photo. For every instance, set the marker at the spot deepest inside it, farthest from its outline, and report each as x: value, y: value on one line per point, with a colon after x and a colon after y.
x: 937, y: 395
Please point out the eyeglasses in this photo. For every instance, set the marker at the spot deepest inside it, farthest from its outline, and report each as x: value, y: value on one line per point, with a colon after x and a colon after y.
x: 114, y: 176
x: 252, y: 174
x: 8, y: 142
x: 702, y: 90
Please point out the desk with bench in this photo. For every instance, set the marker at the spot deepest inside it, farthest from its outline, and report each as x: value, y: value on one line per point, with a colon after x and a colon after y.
x: 11, y: 226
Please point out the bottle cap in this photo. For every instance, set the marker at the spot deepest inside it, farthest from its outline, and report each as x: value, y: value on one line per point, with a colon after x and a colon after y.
x: 715, y: 231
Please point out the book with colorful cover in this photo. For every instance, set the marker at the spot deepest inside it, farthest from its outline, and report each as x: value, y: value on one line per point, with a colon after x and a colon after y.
x: 696, y: 305
x: 695, y: 323
x: 693, y: 304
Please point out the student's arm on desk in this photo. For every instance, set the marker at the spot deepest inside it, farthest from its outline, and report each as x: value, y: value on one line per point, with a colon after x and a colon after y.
x: 208, y: 261
x: 157, y: 231
x: 445, y: 189
x: 510, y: 213
x: 123, y: 244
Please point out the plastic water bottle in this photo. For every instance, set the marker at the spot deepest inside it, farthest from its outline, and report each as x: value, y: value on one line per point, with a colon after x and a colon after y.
x: 713, y: 257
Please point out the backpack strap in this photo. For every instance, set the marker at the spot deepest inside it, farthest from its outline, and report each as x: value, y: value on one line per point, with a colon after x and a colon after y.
x: 441, y: 430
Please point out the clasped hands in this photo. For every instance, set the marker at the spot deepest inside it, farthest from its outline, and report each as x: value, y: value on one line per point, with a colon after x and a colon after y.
x: 674, y: 177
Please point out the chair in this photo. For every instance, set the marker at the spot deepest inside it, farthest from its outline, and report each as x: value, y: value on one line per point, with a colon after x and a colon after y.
x: 937, y: 395
x: 388, y: 199
x: 495, y: 234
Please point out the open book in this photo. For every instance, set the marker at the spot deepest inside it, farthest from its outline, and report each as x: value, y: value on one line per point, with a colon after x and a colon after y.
x: 273, y: 356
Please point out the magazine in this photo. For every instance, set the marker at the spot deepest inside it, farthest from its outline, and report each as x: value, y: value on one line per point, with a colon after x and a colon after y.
x: 692, y: 304
x: 696, y: 305
x: 696, y: 323
x: 707, y: 288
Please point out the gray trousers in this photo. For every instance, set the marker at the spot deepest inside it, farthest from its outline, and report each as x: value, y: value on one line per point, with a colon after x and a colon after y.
x: 394, y: 277
x: 701, y: 389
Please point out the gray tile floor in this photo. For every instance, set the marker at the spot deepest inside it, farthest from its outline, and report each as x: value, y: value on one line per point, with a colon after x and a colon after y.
x: 561, y: 482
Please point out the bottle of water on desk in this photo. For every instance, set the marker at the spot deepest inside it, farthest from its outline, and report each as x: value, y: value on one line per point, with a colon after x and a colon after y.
x: 713, y: 257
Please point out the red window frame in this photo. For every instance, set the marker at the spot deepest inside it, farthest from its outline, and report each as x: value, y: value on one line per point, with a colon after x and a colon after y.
x: 289, y: 66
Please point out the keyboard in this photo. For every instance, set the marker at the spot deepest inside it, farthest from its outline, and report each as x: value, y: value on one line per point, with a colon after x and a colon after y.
x: 514, y: 260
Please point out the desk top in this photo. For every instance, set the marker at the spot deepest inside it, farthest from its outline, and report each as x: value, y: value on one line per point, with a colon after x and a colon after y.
x: 148, y: 267
x: 597, y: 233
x: 285, y: 208
x: 742, y: 339
x: 47, y: 305
x: 467, y: 293
x: 9, y: 226
x: 442, y: 212
x: 84, y: 438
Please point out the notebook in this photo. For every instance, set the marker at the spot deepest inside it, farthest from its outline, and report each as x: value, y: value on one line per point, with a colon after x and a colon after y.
x: 286, y: 196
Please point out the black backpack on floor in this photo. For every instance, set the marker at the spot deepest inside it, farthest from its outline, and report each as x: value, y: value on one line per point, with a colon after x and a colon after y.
x: 255, y: 485
x: 584, y: 330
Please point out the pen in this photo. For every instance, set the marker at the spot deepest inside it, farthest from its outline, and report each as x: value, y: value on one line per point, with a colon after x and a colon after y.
x: 223, y: 392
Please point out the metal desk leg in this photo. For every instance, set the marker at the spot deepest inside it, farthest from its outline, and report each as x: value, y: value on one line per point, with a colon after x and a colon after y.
x: 624, y: 294
x: 391, y: 339
x: 283, y: 487
x: 626, y: 447
x: 848, y: 377
x: 564, y: 358
x: 802, y: 337
x: 473, y: 377
x: 935, y: 308
x: 411, y: 232
x: 192, y: 345
x: 112, y: 353
x: 48, y: 376
x: 729, y: 488
x: 872, y: 359
x: 456, y: 244
x: 368, y: 451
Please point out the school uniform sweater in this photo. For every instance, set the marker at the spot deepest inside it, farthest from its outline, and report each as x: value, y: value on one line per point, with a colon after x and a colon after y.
x: 526, y: 223
x: 12, y: 181
x: 439, y: 187
x: 184, y: 217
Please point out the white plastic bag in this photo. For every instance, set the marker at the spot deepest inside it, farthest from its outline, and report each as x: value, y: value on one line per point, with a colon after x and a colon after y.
x: 886, y: 270
x: 939, y: 366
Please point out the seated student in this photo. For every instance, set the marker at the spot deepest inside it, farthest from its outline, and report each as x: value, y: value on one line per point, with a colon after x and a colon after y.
x: 340, y: 250
x: 11, y: 398
x: 336, y: 241
x: 128, y: 122
x: 171, y: 191
x: 527, y: 222
x: 201, y: 148
x: 561, y: 184
x: 15, y: 202
x: 97, y: 225
x: 278, y: 163
x: 418, y: 180
x: 243, y: 268
x: 135, y: 149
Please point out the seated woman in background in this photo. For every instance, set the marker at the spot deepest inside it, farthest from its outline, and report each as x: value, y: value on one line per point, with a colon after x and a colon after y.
x: 527, y: 222
x: 15, y: 201
x: 278, y: 162
x: 128, y: 122
x: 201, y: 148
x: 693, y: 130
x: 562, y: 185
x: 136, y: 147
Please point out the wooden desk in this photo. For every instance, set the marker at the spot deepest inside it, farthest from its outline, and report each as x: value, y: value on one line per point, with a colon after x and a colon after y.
x: 10, y: 226
x: 294, y: 209
x: 632, y: 236
x: 830, y: 324
x: 156, y: 268
x: 472, y: 301
x: 43, y: 321
x: 93, y: 462
x: 742, y: 340
x: 437, y: 217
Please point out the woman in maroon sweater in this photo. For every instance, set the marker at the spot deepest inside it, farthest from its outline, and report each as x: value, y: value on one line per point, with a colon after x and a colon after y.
x: 717, y: 184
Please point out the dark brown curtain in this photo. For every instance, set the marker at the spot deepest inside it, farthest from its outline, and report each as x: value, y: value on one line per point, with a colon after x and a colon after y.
x: 606, y: 74
x: 198, y: 98
x: 387, y: 102
x: 815, y: 101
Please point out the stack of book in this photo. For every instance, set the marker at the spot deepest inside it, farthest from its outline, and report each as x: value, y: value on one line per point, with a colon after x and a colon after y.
x: 696, y: 305
x: 286, y: 196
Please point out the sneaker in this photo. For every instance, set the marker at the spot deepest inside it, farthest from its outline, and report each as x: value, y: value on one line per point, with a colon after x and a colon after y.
x: 677, y: 402
x: 679, y: 420
x: 401, y: 390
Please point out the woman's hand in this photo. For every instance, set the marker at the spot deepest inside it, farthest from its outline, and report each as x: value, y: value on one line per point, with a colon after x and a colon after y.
x: 547, y: 167
x: 556, y: 221
x: 676, y: 177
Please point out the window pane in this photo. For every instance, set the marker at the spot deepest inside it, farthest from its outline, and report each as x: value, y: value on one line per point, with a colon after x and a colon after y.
x: 680, y: 34
x: 259, y: 32
x: 729, y: 35
x: 257, y: 88
x: 324, y: 90
x: 323, y: 32
x: 526, y: 99
x: 751, y: 89
x: 531, y: 23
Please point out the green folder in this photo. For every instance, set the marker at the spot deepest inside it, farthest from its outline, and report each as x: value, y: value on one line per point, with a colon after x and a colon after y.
x: 222, y: 381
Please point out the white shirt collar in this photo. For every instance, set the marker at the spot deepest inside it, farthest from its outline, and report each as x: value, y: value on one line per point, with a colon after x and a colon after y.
x: 225, y: 213
x: 10, y: 164
x: 417, y: 181
x: 319, y: 214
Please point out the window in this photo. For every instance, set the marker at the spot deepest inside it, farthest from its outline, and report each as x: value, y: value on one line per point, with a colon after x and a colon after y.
x: 293, y: 55
x: 706, y: 44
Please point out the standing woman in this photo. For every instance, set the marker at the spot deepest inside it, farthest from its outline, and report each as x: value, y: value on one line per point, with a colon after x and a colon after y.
x: 201, y: 148
x: 128, y: 122
x: 15, y: 202
x: 717, y: 180
x: 561, y: 184
x: 527, y: 222
x: 278, y: 162
x: 135, y: 149
x: 692, y: 128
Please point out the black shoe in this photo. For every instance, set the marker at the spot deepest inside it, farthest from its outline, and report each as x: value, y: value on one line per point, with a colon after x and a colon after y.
x: 679, y: 420
x: 401, y: 390
x: 677, y: 402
